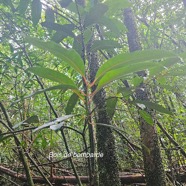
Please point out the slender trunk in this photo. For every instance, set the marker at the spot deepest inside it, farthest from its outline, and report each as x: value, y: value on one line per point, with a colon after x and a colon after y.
x: 154, y: 171
x: 108, y: 164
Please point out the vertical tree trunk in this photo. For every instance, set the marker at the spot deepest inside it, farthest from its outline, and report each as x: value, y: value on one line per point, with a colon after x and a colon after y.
x: 108, y: 164
x: 154, y: 171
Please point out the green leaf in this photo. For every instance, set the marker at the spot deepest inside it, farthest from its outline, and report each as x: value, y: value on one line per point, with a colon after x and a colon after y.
x: 77, y: 44
x: 59, y: 36
x: 64, y: 3
x: 36, y: 8
x: 111, y: 25
x: 154, y: 106
x: 23, y: 5
x: 2, y: 137
x: 49, y: 15
x: 95, y: 14
x: 164, y: 67
x: 178, y: 71
x: 111, y: 106
x: 104, y: 45
x: 126, y: 92
x: 56, y: 121
x: 136, y: 81
x: 122, y: 72
x: 66, y: 28
x: 183, y: 55
x: 58, y: 87
x: 114, y: 6
x: 70, y: 56
x: 131, y: 58
x: 52, y: 75
x: 71, y: 103
x: 146, y: 116
x: 30, y: 120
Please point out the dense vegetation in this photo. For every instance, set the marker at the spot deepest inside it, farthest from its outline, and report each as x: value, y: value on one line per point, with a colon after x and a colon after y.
x: 92, y: 92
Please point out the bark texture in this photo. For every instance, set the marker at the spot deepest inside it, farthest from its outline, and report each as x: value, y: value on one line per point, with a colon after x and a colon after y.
x: 153, y: 166
x: 154, y: 170
x: 108, y: 164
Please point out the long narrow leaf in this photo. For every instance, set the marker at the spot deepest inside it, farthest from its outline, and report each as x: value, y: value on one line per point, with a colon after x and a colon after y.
x: 131, y: 58
x: 146, y: 116
x: 154, y: 106
x: 57, y: 87
x: 122, y: 72
x: 105, y: 45
x: 36, y: 11
x: 69, y: 56
x: 52, y: 75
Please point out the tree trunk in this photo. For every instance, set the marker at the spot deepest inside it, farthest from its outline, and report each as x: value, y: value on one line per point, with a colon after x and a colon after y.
x: 154, y: 171
x: 108, y: 164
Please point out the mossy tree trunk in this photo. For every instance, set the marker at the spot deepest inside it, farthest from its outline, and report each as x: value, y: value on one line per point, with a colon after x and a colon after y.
x: 108, y: 164
x: 154, y: 170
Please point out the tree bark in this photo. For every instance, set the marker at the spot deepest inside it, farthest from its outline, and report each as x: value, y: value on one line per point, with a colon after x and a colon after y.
x: 154, y: 170
x: 108, y: 164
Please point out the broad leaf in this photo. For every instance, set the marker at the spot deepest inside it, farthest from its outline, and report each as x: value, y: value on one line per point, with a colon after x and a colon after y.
x: 30, y: 120
x: 178, y: 71
x: 112, y: 25
x: 49, y: 15
x: 23, y: 5
x: 164, y: 67
x: 183, y: 55
x: 36, y: 11
x: 154, y: 106
x: 95, y: 14
x: 66, y: 28
x: 69, y: 56
x: 105, y: 45
x: 146, y: 116
x: 114, y: 6
x: 57, y: 87
x: 56, y: 121
x: 126, y: 92
x: 111, y: 106
x: 71, y: 103
x: 52, y: 75
x: 131, y: 58
x: 122, y: 72
x: 59, y: 36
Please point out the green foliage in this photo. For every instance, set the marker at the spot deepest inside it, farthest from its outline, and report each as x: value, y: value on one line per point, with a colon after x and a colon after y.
x: 49, y: 15
x: 94, y: 15
x: 30, y: 120
x: 65, y: 28
x: 101, y: 23
x: 69, y: 56
x: 111, y: 106
x: 146, y: 116
x: 178, y: 71
x: 55, y: 76
x: 154, y: 106
x: 23, y: 5
x: 131, y: 58
x: 105, y: 45
x: 114, y: 6
x: 36, y: 11
x: 71, y: 103
x: 52, y: 75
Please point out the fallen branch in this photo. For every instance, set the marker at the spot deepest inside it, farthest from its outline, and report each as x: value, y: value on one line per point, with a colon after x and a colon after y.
x: 125, y: 179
